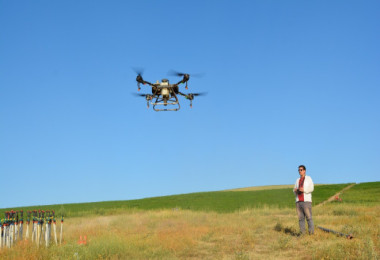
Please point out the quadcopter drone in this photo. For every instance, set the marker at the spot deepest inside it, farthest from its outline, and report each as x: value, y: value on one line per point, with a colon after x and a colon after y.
x: 165, y: 94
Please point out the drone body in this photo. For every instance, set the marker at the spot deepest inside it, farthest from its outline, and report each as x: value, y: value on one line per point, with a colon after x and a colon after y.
x: 165, y: 94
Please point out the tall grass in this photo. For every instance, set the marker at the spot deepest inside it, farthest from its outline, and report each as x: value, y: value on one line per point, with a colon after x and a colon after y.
x: 184, y: 234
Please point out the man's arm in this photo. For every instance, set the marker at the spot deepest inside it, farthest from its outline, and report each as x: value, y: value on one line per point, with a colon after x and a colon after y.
x: 309, y: 187
x: 295, y: 187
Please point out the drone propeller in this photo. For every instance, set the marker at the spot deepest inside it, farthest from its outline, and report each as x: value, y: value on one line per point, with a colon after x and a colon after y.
x: 180, y: 74
x: 176, y: 73
x: 139, y: 95
x: 139, y: 71
x: 192, y: 95
x: 139, y: 78
x: 200, y: 94
x: 185, y: 76
x: 148, y: 97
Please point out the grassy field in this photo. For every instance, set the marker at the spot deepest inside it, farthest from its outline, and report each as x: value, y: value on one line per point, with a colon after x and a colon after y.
x: 364, y: 194
x: 271, y: 187
x: 261, y: 231
x: 221, y: 202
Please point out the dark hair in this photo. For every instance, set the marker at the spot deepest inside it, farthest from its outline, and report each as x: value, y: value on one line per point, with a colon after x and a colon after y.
x: 303, y: 166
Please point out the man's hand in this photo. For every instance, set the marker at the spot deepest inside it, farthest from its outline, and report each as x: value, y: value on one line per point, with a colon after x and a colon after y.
x: 300, y: 189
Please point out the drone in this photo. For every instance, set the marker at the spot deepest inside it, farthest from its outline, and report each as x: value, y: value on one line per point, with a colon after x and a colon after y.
x: 164, y: 95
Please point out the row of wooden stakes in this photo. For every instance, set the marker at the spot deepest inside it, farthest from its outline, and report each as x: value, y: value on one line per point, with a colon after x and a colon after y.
x: 43, y: 228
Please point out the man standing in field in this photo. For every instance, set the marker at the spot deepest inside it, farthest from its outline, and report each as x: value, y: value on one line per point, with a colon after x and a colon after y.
x: 302, y: 190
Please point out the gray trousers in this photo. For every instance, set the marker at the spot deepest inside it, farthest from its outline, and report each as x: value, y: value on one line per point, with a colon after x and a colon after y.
x: 304, y: 211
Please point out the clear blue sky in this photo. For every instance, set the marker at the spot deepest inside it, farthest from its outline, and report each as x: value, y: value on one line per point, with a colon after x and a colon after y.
x: 288, y: 82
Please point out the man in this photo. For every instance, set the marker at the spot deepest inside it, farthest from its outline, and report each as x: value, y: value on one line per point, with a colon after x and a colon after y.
x: 302, y: 190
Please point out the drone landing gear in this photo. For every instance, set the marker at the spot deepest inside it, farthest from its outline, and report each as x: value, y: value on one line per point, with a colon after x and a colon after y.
x: 172, y: 101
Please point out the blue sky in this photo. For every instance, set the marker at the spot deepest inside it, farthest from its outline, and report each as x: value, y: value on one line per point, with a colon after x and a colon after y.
x: 288, y: 82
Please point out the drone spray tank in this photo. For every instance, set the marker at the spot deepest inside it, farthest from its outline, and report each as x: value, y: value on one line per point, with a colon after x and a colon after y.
x: 165, y: 91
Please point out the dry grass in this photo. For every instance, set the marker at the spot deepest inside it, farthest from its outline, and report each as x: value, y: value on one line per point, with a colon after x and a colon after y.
x: 250, y: 234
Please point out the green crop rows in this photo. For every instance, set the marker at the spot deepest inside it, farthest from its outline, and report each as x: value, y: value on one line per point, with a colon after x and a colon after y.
x: 218, y: 201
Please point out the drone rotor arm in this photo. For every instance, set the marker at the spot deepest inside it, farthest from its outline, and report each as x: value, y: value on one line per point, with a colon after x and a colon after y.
x: 148, y: 83
x: 139, y: 80
x: 179, y: 83
x: 182, y: 94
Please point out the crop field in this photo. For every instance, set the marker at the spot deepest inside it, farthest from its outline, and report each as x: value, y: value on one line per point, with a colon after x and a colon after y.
x: 259, y: 224
x: 221, y: 202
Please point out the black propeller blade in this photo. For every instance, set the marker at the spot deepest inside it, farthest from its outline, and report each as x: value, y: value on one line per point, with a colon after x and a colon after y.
x: 148, y: 97
x: 191, y: 96
x: 180, y: 74
x: 139, y: 78
x: 139, y: 95
x: 176, y: 73
x: 139, y: 71
x: 199, y: 94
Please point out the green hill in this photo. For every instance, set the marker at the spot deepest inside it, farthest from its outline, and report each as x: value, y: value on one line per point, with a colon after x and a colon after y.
x: 367, y: 193
x: 218, y: 201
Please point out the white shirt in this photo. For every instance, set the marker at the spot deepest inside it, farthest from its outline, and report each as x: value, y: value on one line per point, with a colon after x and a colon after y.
x: 308, y: 188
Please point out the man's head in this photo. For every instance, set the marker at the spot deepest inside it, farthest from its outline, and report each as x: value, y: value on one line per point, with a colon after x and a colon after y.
x: 302, y: 170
